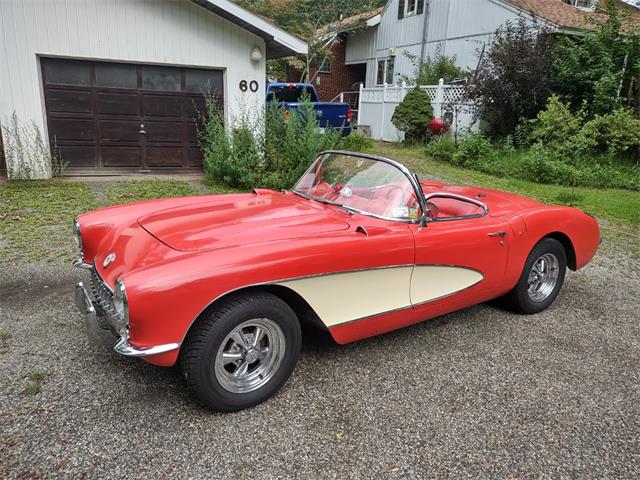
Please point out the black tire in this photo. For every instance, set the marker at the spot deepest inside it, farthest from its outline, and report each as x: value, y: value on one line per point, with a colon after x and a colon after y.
x: 519, y: 300
x: 206, y: 336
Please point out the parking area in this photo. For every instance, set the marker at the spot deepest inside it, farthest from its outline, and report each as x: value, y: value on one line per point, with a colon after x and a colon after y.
x: 480, y: 393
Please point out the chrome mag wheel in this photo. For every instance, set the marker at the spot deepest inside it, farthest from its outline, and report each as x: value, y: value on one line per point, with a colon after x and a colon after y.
x: 250, y: 355
x: 543, y: 277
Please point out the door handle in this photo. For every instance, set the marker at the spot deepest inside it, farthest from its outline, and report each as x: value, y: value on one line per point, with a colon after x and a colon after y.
x: 501, y: 233
x: 142, y: 130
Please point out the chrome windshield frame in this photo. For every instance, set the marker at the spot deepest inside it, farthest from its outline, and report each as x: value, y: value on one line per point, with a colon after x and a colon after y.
x: 413, y: 180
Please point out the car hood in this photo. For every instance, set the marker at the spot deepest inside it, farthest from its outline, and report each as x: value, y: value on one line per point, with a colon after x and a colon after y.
x: 225, y: 221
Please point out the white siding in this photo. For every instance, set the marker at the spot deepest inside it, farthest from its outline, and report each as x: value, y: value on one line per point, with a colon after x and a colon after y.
x: 175, y: 32
x: 459, y: 27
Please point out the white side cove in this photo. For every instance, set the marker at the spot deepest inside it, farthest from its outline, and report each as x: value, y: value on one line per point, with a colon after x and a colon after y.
x: 344, y: 297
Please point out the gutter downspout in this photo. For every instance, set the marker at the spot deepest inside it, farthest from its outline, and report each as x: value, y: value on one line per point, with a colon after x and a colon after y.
x: 427, y: 8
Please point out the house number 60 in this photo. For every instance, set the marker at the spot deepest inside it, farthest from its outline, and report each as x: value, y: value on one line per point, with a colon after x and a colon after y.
x: 252, y: 85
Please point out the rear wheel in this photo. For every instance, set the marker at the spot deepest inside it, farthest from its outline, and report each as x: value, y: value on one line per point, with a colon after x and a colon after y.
x: 541, y: 279
x: 241, y: 352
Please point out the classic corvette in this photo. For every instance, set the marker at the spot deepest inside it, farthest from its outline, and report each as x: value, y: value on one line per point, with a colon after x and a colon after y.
x: 359, y: 246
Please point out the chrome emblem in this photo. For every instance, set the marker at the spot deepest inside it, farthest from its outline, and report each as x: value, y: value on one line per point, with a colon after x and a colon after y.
x: 109, y: 260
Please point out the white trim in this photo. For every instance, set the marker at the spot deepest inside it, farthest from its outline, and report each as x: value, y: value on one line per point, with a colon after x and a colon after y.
x: 279, y: 35
x: 375, y: 20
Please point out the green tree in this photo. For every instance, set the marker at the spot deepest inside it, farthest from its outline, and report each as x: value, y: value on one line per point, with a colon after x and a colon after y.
x: 514, y: 75
x: 602, y: 67
x: 432, y: 69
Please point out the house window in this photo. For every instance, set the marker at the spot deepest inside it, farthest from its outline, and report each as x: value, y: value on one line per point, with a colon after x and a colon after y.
x: 589, y: 5
x: 323, y: 65
x: 385, y: 71
x: 410, y: 7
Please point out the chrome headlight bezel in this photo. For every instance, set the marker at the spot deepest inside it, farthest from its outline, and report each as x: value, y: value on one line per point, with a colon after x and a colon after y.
x: 121, y: 304
x: 77, y: 236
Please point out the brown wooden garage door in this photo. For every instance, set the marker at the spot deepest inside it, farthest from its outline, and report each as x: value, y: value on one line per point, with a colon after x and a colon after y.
x: 125, y: 117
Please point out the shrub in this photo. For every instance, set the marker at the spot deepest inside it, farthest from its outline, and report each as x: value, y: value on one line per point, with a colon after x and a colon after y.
x: 570, y: 136
x: 356, y: 142
x: 475, y: 150
x: 442, y: 148
x: 26, y: 153
x: 272, y: 152
x: 413, y: 115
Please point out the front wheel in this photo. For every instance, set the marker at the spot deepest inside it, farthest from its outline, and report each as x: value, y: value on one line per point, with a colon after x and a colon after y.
x: 541, y: 279
x: 241, y: 352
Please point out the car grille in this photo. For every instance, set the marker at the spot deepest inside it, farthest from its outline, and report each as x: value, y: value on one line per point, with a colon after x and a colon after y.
x: 104, y: 298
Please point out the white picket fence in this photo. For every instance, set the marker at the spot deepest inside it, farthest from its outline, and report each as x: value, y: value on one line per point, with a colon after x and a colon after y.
x: 376, y: 106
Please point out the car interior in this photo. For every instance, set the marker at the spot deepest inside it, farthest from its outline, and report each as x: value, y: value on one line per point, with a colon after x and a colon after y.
x: 397, y: 201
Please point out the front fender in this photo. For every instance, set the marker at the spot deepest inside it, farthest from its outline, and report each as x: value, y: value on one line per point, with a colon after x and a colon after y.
x: 581, y: 230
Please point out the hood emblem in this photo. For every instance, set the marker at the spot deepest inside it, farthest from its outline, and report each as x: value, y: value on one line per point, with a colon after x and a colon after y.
x: 109, y: 260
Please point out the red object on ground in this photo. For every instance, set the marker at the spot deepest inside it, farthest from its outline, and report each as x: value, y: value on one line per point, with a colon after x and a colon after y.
x: 438, y: 126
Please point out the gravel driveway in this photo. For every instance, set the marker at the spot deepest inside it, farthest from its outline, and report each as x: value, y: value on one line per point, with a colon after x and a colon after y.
x: 480, y: 393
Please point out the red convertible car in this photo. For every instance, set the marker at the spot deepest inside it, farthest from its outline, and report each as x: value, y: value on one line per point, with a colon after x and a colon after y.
x: 359, y: 246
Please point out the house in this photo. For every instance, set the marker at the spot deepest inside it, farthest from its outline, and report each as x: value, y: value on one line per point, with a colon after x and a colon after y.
x: 378, y: 44
x: 329, y: 72
x: 116, y: 86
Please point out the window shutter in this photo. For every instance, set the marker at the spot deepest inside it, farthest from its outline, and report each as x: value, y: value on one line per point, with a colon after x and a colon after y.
x: 401, y: 8
x: 420, y: 7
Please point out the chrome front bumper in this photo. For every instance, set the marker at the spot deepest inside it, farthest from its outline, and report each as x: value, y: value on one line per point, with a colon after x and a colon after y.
x: 100, y: 333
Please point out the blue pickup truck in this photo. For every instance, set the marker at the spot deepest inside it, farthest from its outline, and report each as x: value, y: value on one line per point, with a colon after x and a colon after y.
x: 329, y: 115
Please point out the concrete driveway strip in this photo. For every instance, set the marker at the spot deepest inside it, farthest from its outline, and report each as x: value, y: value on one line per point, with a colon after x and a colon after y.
x: 480, y: 393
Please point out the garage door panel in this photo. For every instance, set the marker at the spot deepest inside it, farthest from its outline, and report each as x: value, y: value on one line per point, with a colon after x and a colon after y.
x: 161, y: 106
x: 165, y: 132
x: 121, y: 156
x: 192, y: 132
x: 123, y: 115
x: 78, y: 155
x: 194, y: 157
x: 61, y: 129
x: 120, y: 131
x: 164, y: 157
x: 69, y: 101
x: 194, y: 107
x: 112, y: 103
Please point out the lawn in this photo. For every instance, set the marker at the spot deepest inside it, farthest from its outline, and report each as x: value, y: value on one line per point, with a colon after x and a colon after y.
x: 620, y: 208
x: 36, y: 216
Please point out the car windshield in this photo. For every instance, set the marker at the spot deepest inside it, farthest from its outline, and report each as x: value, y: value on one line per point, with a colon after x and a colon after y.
x: 362, y: 185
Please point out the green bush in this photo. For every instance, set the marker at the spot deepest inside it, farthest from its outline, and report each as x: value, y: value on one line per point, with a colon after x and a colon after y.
x: 475, y: 150
x: 272, y: 151
x: 538, y: 163
x: 571, y: 136
x: 413, y: 115
x: 356, y: 142
x: 442, y: 148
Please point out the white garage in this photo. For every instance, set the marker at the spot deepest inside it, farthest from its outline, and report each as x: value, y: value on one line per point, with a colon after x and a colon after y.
x: 116, y: 86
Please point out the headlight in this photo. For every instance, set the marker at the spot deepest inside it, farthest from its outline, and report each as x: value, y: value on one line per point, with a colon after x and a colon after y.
x: 77, y: 237
x: 121, y: 304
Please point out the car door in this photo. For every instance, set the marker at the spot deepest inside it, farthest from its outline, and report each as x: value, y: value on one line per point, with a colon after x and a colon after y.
x: 459, y: 259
